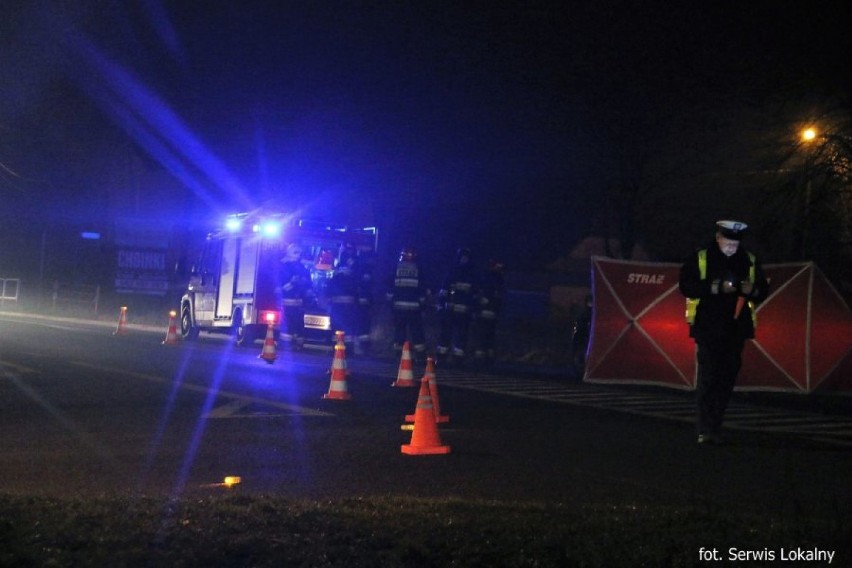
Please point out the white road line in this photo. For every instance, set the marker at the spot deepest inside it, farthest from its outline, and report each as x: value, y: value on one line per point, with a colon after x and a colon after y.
x: 235, y: 408
x: 196, y: 388
x: 840, y: 428
x: 739, y: 417
x: 18, y: 368
x: 228, y: 409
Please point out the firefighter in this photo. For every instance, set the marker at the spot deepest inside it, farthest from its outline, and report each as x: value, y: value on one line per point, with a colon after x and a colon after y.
x: 722, y: 283
x: 489, y: 304
x: 364, y: 301
x: 342, y: 293
x: 408, y: 295
x: 455, y: 306
x: 295, y: 291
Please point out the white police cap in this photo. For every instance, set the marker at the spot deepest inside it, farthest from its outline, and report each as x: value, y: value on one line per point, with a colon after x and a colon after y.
x: 733, y: 230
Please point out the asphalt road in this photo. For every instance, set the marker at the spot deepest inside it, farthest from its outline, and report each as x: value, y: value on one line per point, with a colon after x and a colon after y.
x: 86, y: 412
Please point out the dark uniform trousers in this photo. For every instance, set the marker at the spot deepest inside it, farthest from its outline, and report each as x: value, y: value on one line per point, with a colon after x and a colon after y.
x: 719, y: 362
x: 411, y: 321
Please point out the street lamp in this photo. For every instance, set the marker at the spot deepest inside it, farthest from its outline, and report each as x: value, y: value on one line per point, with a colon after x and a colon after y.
x: 808, y: 135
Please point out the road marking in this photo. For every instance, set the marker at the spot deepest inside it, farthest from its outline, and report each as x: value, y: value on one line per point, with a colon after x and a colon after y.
x: 290, y: 408
x: 229, y: 409
x: 18, y: 368
x: 818, y: 427
x: 238, y: 409
x: 824, y: 428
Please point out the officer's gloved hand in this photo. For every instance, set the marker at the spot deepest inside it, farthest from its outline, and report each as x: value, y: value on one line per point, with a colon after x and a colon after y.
x: 746, y: 288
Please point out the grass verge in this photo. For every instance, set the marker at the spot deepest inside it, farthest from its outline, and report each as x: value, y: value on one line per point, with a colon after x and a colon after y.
x: 237, y: 530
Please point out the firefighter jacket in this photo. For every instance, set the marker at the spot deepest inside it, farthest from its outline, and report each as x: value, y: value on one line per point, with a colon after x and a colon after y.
x: 295, y: 283
x: 343, y: 286
x: 459, y: 290
x: 714, y: 314
x: 364, y: 278
x: 407, y: 291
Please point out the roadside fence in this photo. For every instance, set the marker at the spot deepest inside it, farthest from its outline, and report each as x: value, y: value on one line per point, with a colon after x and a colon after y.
x: 87, y: 296
x: 10, y: 290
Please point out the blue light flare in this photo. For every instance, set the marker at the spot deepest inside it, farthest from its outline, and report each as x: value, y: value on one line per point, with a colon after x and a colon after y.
x: 201, y: 424
x: 233, y: 224
x: 155, y: 127
x: 156, y: 441
x: 270, y: 229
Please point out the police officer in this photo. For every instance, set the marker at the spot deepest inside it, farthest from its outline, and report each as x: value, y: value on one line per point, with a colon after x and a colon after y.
x: 342, y: 294
x: 407, y: 295
x: 723, y: 284
x: 295, y: 289
x: 489, y: 304
x: 455, y: 303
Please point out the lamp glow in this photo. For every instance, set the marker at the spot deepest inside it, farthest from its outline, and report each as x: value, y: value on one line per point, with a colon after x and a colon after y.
x: 270, y: 229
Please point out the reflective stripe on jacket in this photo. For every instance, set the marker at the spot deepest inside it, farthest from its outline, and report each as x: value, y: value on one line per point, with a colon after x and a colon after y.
x: 692, y: 303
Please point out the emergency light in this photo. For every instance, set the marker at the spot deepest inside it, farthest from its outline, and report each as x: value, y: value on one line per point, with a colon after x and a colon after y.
x: 268, y: 229
x: 269, y: 317
x: 271, y: 229
x: 233, y: 224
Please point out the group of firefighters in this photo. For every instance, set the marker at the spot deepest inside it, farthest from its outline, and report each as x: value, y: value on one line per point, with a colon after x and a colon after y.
x: 468, y: 303
x: 466, y: 296
x: 723, y: 285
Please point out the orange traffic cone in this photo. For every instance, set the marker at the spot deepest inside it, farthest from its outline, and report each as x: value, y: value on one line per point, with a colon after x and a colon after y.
x: 122, y: 322
x: 429, y: 375
x: 171, y: 334
x: 338, y: 390
x: 405, y: 375
x: 425, y: 438
x: 269, y: 353
x: 433, y: 390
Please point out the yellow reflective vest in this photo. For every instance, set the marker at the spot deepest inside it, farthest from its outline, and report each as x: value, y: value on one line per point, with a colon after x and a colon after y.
x: 692, y: 303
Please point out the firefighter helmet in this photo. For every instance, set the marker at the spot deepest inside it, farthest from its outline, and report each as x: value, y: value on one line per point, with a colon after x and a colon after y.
x: 408, y: 254
x: 294, y: 252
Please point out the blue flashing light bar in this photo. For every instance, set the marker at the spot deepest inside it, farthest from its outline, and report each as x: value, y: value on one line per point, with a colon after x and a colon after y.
x: 90, y: 236
x: 233, y: 224
x: 270, y: 229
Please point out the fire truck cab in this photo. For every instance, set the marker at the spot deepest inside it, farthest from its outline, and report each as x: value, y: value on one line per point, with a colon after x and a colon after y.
x: 234, y: 287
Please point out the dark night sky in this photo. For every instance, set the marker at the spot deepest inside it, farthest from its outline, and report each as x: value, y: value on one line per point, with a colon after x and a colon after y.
x: 452, y: 122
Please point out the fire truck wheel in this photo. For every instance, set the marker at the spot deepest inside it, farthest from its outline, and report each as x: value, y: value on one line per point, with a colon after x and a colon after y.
x: 187, y: 331
x: 245, y: 338
x: 244, y: 335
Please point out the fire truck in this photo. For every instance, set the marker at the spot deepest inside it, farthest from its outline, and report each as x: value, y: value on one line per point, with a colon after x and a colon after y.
x: 233, y: 287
